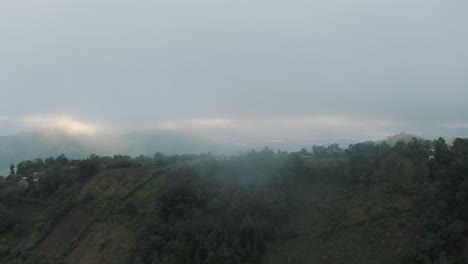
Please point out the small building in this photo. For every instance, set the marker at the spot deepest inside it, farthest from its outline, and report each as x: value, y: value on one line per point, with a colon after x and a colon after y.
x: 23, y: 184
x: 431, y: 154
x: 38, y: 174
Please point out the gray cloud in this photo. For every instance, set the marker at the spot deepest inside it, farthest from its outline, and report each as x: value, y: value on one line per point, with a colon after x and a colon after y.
x: 130, y: 64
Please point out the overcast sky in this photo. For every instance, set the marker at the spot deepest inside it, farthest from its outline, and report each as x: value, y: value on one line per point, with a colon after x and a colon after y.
x: 246, y: 65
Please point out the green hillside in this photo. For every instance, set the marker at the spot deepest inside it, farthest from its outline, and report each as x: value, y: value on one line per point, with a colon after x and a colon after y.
x: 369, y: 203
x: 403, y: 137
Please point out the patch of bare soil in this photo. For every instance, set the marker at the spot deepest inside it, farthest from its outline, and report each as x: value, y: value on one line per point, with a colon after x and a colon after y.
x: 64, y: 232
x: 101, y: 244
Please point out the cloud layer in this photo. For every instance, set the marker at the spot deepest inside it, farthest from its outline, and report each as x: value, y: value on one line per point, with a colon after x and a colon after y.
x: 286, y: 131
x: 64, y: 123
x: 282, y: 69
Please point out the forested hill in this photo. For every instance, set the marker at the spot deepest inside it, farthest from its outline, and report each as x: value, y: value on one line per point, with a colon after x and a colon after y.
x: 369, y: 203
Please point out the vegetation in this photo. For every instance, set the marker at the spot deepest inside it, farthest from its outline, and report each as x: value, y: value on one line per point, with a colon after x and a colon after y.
x: 369, y: 203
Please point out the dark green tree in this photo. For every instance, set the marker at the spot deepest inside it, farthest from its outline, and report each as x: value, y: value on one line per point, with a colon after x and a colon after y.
x: 130, y: 208
x: 442, y: 153
x: 460, y: 147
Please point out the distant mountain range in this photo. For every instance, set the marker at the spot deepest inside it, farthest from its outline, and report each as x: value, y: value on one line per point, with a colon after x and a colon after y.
x: 31, y: 145
x: 42, y: 144
x: 392, y: 140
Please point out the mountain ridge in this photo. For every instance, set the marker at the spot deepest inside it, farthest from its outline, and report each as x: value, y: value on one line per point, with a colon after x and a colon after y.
x: 30, y: 145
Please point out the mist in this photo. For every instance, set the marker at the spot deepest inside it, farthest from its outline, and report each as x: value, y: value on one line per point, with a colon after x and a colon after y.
x: 233, y: 131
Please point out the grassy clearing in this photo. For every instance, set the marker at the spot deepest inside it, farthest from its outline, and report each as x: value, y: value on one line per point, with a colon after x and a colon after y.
x: 145, y: 197
x: 117, y: 182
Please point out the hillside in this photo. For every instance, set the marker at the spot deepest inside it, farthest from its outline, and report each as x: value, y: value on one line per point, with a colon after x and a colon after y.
x: 369, y: 203
x: 404, y: 137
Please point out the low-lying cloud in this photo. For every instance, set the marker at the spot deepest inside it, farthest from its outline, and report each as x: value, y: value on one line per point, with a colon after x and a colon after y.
x: 285, y: 128
x: 63, y: 123
x: 313, y: 128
